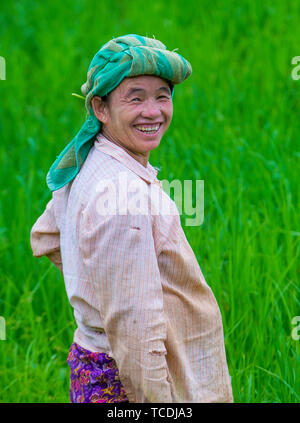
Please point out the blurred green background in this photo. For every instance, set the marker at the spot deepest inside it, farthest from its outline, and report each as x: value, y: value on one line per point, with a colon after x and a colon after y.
x: 235, y: 125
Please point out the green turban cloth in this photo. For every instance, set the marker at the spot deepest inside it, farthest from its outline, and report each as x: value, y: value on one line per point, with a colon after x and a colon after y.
x: 126, y: 56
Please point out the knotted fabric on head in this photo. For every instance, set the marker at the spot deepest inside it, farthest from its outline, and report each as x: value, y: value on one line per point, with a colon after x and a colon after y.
x: 126, y: 56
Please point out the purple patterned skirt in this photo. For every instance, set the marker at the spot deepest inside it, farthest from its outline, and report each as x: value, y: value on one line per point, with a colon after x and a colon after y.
x: 94, y: 377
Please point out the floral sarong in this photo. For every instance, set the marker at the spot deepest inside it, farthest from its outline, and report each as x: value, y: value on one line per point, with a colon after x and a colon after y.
x: 94, y: 377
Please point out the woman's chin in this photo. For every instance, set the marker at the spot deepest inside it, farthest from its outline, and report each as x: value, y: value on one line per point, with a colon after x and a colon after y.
x: 151, y: 144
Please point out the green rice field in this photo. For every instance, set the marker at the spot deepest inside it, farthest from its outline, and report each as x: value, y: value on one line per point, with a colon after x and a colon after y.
x: 235, y: 125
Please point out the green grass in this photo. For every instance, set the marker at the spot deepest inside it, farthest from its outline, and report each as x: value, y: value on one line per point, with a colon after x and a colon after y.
x: 235, y: 125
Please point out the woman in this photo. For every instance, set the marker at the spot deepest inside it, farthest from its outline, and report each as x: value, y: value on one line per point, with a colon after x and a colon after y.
x: 148, y: 326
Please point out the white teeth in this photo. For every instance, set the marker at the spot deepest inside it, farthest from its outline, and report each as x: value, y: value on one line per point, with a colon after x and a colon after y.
x: 148, y: 129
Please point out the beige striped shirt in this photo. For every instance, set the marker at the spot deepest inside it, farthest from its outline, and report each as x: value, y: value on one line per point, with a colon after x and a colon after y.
x: 133, y: 280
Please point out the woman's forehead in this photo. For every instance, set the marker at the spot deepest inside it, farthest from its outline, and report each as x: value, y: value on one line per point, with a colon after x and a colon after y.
x: 143, y: 82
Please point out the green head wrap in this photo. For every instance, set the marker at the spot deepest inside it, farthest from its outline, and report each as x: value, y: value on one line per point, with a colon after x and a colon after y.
x: 126, y: 56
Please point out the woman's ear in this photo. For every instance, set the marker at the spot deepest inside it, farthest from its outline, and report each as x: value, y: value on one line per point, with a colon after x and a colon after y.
x: 99, y: 108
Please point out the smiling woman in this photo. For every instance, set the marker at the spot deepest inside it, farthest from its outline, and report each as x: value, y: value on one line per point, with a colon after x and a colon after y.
x: 123, y: 57
x: 148, y: 326
x: 137, y: 114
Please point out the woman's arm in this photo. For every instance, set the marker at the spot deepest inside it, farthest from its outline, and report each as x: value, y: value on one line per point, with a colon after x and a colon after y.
x: 45, y: 237
x: 119, y: 257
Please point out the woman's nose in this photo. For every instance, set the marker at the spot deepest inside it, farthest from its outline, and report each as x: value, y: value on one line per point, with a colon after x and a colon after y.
x: 151, y: 109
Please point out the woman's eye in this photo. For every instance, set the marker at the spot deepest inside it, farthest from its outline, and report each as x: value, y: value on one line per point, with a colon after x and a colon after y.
x: 136, y: 99
x: 163, y: 96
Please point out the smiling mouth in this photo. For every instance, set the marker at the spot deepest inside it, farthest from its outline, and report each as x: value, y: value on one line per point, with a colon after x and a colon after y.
x: 148, y: 130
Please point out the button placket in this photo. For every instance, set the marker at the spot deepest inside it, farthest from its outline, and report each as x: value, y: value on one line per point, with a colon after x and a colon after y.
x: 157, y: 182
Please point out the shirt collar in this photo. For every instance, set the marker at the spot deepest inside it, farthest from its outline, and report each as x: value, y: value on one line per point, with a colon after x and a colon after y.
x: 147, y: 173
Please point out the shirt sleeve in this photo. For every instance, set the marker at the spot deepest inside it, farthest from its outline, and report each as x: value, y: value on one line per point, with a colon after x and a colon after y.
x: 45, y: 236
x: 120, y: 259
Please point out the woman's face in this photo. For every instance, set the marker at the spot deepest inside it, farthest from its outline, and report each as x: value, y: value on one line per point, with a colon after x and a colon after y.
x: 138, y: 113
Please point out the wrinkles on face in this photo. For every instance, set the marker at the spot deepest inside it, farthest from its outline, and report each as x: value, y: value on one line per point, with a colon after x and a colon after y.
x: 136, y: 101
